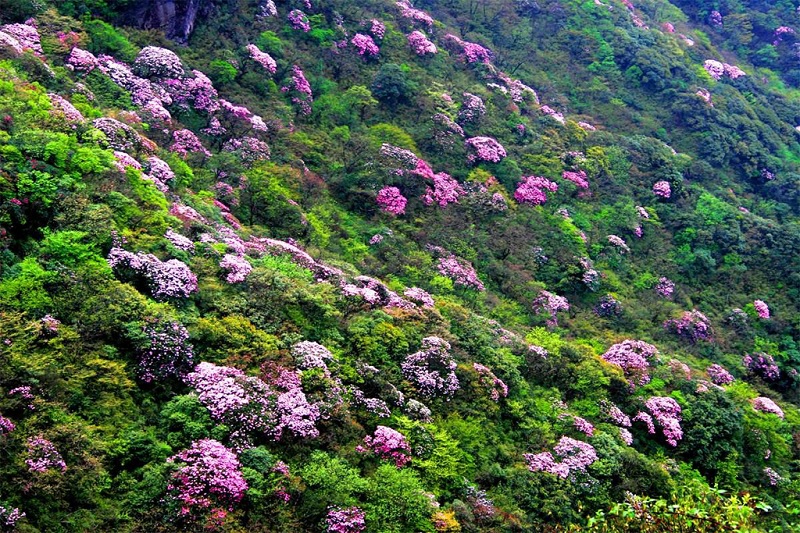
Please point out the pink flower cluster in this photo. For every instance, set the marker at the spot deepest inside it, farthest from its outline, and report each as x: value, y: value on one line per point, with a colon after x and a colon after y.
x: 156, y: 62
x: 26, y: 35
x: 237, y: 268
x: 472, y: 108
x: 25, y: 394
x: 460, y: 271
x: 641, y: 416
x: 167, y: 352
x: 633, y: 357
x: 391, y: 201
x: 692, y: 326
x: 583, y: 425
x: 550, y: 304
x: 396, y: 155
x: 197, y: 92
x: 446, y: 190
x: 578, y: 177
x: 717, y: 69
x: 762, y: 309
x: 300, y: 89
x: 159, y: 172
x: 665, y: 287
x: 719, y: 375
x: 432, y: 369
x: 7, y: 41
x: 168, y: 279
x: 185, y: 141
x: 496, y: 387
x: 765, y: 405
x: 377, y: 28
x: 6, y: 426
x: 388, y: 444
x: 345, y: 520
x: 552, y: 113
x: 446, y: 132
x: 123, y: 162
x: 420, y: 296
x: 210, y: 476
x: 667, y: 413
x: 420, y: 44
x: 619, y: 243
x: 414, y: 15
x: 762, y: 364
x: 262, y: 58
x: 43, y: 456
x: 119, y: 136
x: 472, y: 52
x: 249, y: 150
x: 68, y: 110
x: 772, y: 476
x: 662, y: 189
x: 299, y: 20
x: 532, y: 190
x: 309, y: 355
x: 9, y: 517
x: 81, y: 60
x: 574, y: 456
x: 484, y: 149
x: 365, y: 45
x: 615, y: 414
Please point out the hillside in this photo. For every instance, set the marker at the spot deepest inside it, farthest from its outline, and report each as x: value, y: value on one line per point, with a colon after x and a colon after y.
x: 479, y: 265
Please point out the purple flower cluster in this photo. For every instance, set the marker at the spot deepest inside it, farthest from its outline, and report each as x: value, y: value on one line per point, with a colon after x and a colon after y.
x: 299, y: 20
x: 81, y: 60
x: 472, y: 52
x: 762, y: 364
x: 210, y: 476
x: 496, y: 387
x: 7, y: 41
x: 345, y: 520
x: 236, y: 266
x: 391, y: 201
x: 432, y: 369
x: 262, y: 58
x: 692, y: 326
x: 377, y: 28
x: 185, y: 141
x: 25, y: 394
x: 420, y: 44
x: 197, y: 92
x: 615, y: 414
x: 168, y: 279
x: 156, y: 62
x: 665, y: 287
x: 472, y: 108
x: 762, y: 309
x: 167, y: 352
x: 420, y: 296
x: 123, y: 162
x: 159, y: 172
x: 619, y: 243
x: 43, y: 456
x: 607, y: 306
x: 300, y: 89
x: 718, y: 375
x: 396, y: 155
x: 662, y: 189
x: 26, y: 35
x: 66, y: 108
x: 578, y: 177
x: 446, y: 190
x: 583, y: 425
x: 407, y: 11
x: 484, y: 149
x: 550, y: 304
x: 9, y: 517
x: 532, y: 190
x: 667, y: 413
x: 249, y: 150
x: 388, y: 444
x: 6, y: 426
x: 766, y: 405
x: 633, y: 358
x: 309, y: 355
x: 365, y: 45
x: 119, y: 136
x: 418, y: 410
x: 460, y: 271
x: 772, y: 476
x: 574, y: 456
x: 446, y: 132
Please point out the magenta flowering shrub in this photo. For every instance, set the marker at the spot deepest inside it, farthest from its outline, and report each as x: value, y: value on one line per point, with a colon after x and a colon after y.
x: 762, y: 309
x: 26, y: 35
x: 209, y: 479
x: 249, y: 150
x: 665, y: 287
x: 765, y: 405
x: 662, y: 189
x: 365, y: 45
x: 6, y: 426
x: 388, y: 444
x: 446, y: 190
x: 496, y: 387
x: 299, y: 90
x: 236, y: 266
x: 573, y: 456
x: 377, y: 28
x: 262, y: 58
x: 641, y: 416
x: 345, y: 520
x: 419, y: 296
x: 43, y: 456
x: 471, y: 52
x: 583, y: 425
x: 185, y: 142
x: 532, y: 190
x: 81, y: 61
x: 420, y: 44
x: 166, y: 352
x: 667, y: 413
x: 432, y: 369
x: 692, y: 326
x: 578, y: 177
x: 156, y: 62
x: 298, y: 20
x: 197, y: 93
x: 633, y: 357
x: 391, y: 201
x: 619, y: 243
x: 472, y: 108
x: 484, y: 149
x: 414, y: 15
x: 168, y: 279
x: 762, y: 364
x: 718, y: 375
x: 460, y: 271
x: 9, y: 516
x: 550, y: 304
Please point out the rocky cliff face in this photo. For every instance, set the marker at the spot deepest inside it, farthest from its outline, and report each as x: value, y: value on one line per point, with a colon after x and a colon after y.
x: 175, y: 17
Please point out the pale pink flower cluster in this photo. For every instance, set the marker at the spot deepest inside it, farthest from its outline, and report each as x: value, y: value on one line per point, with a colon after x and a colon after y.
x: 472, y: 52
x: 389, y: 444
x: 414, y: 15
x: 496, y: 387
x: 185, y: 141
x: 236, y: 266
x: 81, y: 60
x: 365, y: 45
x: 301, y: 90
x: 419, y: 296
x: 420, y: 44
x: 552, y: 113
x: 574, y: 456
x: 154, y: 61
x: 583, y: 425
x: 484, y: 149
x: 550, y: 304
x: 533, y: 190
x: 377, y: 28
x: 705, y: 95
x: 667, y: 413
x: 345, y: 520
x: 619, y: 243
x: 446, y: 190
x: 179, y: 241
x: 665, y: 287
x: 716, y: 70
x: 762, y: 309
x: 772, y: 476
x: 763, y: 364
x: 719, y: 375
x: 168, y: 279
x: 66, y: 108
x: 472, y: 108
x: 432, y: 369
x: 460, y: 271
x: 766, y: 405
x: 26, y: 35
x: 43, y: 456
x: 662, y: 189
x: 262, y: 58
x: 633, y: 357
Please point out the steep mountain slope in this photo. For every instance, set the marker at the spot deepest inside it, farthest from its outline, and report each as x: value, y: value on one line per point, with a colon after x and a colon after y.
x: 455, y: 266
